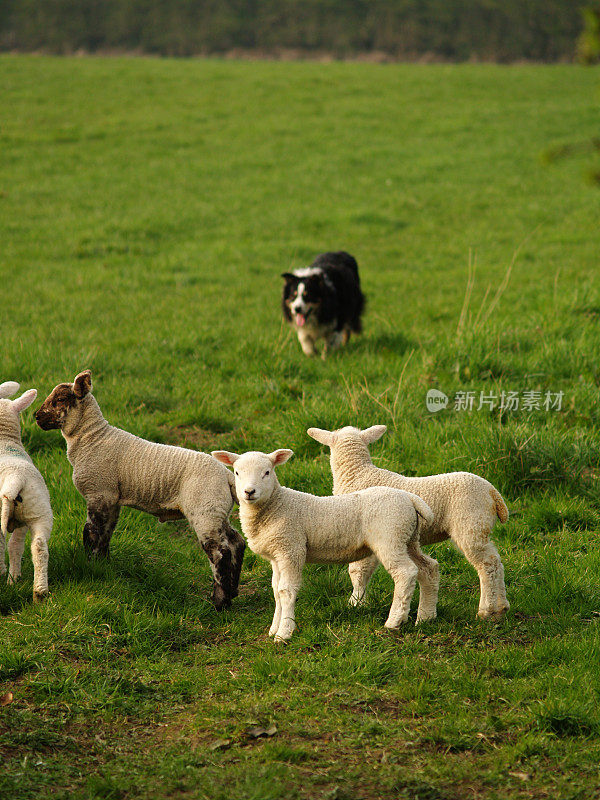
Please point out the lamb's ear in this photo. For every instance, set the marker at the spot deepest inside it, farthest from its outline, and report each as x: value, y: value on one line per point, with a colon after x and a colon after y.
x: 8, y: 388
x: 289, y: 276
x: 280, y: 456
x: 225, y: 457
x: 325, y: 437
x: 26, y: 399
x: 82, y: 384
x: 370, y: 435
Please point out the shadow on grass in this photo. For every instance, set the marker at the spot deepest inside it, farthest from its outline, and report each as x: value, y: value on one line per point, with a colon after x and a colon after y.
x: 148, y: 579
x: 396, y: 342
x: 563, y: 721
x: 14, y: 598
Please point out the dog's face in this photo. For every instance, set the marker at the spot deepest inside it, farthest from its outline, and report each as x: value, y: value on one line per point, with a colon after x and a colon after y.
x: 302, y: 296
x: 62, y: 408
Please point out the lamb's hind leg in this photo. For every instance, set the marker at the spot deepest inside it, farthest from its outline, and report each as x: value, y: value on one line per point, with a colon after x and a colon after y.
x: 40, y: 535
x: 481, y: 553
x: 16, y: 545
x: 102, y: 517
x: 360, y: 574
x: 428, y: 577
x: 404, y: 574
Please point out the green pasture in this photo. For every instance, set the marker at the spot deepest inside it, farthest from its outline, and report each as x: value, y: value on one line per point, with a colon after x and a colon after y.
x: 147, y: 208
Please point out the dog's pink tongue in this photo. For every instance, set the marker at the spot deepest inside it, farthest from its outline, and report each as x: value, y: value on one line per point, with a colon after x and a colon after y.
x: 300, y: 319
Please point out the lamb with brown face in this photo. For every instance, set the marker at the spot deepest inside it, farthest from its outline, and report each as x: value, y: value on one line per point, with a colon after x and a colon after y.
x: 53, y: 412
x: 113, y: 468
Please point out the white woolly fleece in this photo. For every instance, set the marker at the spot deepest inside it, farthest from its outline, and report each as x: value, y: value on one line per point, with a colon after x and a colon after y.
x: 465, y: 509
x: 24, y: 495
x: 288, y: 528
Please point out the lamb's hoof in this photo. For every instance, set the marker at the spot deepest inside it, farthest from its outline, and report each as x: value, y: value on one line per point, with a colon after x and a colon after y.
x: 394, y: 627
x: 425, y: 618
x: 356, y: 601
x: 284, y: 633
x: 492, y: 614
x: 220, y: 599
x: 282, y: 639
x: 39, y: 597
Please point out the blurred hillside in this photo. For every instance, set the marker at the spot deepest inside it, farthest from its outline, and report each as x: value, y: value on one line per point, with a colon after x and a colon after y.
x: 453, y: 30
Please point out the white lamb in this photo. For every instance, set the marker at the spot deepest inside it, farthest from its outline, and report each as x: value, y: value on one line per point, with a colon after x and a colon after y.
x: 465, y: 509
x: 288, y: 528
x: 25, y: 498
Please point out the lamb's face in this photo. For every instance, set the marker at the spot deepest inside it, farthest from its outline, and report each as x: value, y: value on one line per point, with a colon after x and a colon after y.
x: 254, y: 472
x: 254, y: 477
x: 55, y: 409
x: 63, y: 406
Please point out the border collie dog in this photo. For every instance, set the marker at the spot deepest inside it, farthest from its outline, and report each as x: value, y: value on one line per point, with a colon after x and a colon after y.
x: 324, y: 301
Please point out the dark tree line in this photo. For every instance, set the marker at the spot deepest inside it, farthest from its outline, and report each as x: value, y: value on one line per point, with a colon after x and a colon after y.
x: 498, y: 30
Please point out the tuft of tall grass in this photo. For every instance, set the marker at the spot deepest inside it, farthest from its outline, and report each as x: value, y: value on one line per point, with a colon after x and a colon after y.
x: 516, y: 458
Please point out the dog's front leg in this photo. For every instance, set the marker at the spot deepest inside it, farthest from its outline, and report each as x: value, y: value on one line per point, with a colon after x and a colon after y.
x: 331, y: 342
x: 306, y: 343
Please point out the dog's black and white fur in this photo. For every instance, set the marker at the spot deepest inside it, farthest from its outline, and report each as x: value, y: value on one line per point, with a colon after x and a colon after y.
x: 324, y: 301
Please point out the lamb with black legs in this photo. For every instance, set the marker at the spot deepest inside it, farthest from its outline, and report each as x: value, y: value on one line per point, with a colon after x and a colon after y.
x: 113, y: 468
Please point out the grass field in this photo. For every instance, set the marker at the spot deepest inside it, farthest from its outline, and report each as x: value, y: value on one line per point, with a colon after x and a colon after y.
x: 147, y: 208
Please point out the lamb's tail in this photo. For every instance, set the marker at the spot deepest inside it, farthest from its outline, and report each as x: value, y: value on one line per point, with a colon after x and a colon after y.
x: 501, y: 509
x: 9, y: 493
x: 422, y: 508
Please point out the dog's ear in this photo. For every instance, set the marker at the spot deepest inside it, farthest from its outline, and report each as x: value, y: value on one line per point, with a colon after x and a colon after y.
x: 289, y: 276
x: 82, y: 384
